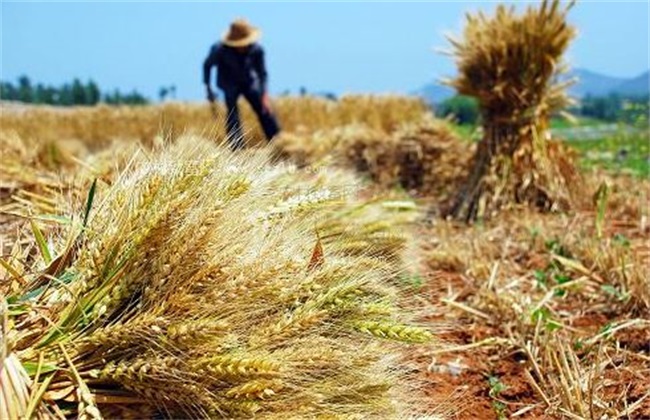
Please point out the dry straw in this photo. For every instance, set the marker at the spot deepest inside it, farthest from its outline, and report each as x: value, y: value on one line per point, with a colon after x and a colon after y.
x: 424, y: 157
x: 211, y: 284
x: 511, y: 64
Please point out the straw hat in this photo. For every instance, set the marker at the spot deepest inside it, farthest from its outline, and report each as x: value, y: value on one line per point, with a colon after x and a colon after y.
x: 240, y: 34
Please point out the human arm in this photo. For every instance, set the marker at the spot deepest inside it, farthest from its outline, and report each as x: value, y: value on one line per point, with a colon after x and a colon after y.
x: 209, y: 62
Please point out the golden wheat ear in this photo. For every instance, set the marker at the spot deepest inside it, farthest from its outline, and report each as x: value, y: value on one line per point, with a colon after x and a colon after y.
x: 197, y: 287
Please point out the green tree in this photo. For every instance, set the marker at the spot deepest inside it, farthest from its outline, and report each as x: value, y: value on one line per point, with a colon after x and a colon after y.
x: 25, y: 91
x: 607, y: 108
x: 135, y: 98
x: 162, y: 93
x: 113, y: 98
x: 463, y: 109
x: 75, y: 93
x: 92, y: 93
x: 39, y: 93
x: 78, y: 93
x: 8, y: 92
x: 66, y: 97
x: 50, y: 95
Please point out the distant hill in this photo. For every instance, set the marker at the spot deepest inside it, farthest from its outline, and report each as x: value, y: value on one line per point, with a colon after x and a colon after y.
x: 592, y: 83
x: 639, y: 85
x: 589, y: 83
x: 435, y: 93
x: 597, y: 84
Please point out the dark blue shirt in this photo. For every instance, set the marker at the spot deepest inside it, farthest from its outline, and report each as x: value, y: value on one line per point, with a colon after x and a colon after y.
x: 236, y: 70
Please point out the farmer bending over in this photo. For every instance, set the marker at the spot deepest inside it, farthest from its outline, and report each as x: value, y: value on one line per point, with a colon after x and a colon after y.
x: 241, y: 71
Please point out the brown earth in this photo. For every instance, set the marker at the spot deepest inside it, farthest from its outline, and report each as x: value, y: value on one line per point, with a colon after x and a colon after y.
x: 460, y: 378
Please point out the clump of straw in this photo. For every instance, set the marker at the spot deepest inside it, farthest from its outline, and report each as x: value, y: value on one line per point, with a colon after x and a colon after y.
x: 424, y: 157
x: 510, y: 64
x: 209, y: 284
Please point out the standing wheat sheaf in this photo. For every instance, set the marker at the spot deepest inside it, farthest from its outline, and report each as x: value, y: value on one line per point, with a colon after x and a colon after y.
x: 208, y: 284
x: 511, y: 64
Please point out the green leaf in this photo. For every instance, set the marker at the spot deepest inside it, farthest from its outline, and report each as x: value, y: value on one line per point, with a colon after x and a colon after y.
x: 606, y: 329
x: 552, y: 325
x: 89, y: 201
x: 31, y: 367
x: 578, y: 345
x: 552, y: 245
x: 500, y: 410
x: 17, y: 309
x: 562, y: 278
x: 53, y: 218
x: 610, y: 290
x: 32, y: 294
x: 541, y: 314
x: 413, y: 280
x: 67, y: 277
x: 614, y: 292
x: 41, y: 242
x: 496, y: 386
x: 559, y: 292
x: 600, y: 199
x: 541, y: 277
x: 621, y: 240
x: 11, y: 270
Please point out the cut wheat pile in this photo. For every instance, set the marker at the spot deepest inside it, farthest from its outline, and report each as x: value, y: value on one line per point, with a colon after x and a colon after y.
x: 203, y: 283
x: 510, y: 63
x: 424, y: 156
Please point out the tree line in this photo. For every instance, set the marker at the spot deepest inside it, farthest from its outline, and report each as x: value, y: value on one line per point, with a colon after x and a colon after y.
x: 610, y: 108
x: 68, y: 94
x: 615, y: 107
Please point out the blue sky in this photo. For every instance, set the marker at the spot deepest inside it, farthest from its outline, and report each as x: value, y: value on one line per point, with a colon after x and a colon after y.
x: 335, y: 46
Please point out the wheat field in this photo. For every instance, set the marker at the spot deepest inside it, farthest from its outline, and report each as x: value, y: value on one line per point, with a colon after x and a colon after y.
x: 148, y: 271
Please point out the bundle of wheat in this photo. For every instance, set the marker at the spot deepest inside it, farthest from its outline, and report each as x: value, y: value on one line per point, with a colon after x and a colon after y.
x: 426, y: 158
x: 210, y: 284
x: 431, y: 158
x: 51, y: 177
x: 33, y: 175
x: 510, y: 64
x: 323, y: 146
